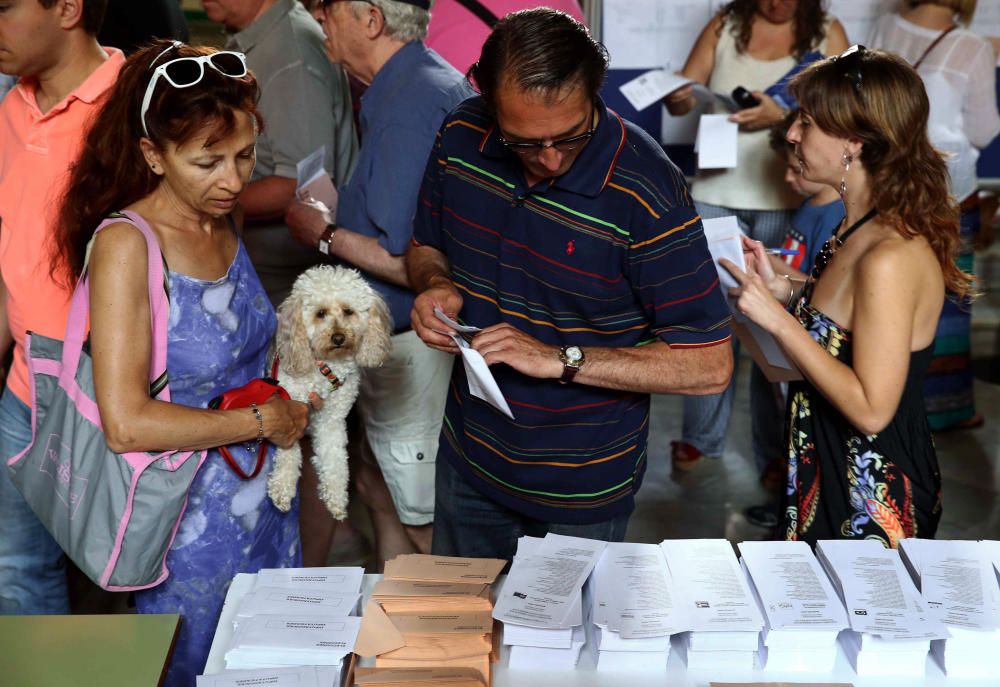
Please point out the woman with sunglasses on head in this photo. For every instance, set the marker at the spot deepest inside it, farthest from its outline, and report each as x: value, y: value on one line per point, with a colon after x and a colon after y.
x: 861, y: 457
x: 175, y: 146
x: 958, y: 67
x: 752, y: 44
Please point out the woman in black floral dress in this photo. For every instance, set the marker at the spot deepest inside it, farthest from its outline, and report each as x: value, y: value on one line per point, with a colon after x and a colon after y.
x: 861, y: 457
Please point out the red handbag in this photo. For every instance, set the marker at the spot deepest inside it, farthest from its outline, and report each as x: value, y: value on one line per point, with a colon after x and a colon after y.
x: 258, y: 391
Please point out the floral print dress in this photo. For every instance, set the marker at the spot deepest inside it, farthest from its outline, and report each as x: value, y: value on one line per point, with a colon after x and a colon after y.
x: 843, y: 484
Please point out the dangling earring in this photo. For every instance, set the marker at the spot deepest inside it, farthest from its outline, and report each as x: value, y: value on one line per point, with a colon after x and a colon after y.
x: 847, y: 159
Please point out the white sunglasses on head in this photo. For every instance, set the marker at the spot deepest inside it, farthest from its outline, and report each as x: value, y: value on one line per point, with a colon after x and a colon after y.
x: 183, y: 72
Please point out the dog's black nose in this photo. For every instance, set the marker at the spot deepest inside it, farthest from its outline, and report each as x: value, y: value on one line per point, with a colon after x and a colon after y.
x: 337, y: 339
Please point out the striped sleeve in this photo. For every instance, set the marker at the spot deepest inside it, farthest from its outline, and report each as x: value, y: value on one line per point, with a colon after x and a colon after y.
x: 675, y: 280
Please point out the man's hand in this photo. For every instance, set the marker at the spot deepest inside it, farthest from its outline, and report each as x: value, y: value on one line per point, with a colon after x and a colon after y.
x: 307, y: 219
x: 764, y: 116
x: 431, y: 330
x: 503, y: 343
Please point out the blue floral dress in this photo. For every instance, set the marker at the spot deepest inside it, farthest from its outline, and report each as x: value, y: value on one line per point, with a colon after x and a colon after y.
x: 843, y: 484
x: 218, y: 337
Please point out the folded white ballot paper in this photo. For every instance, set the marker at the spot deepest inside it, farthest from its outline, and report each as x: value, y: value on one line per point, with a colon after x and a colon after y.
x: 651, y: 87
x: 334, y: 580
x: 543, y: 588
x: 287, y: 640
x: 724, y: 238
x: 299, y: 676
x: 716, y: 143
x: 482, y: 384
x: 314, y: 182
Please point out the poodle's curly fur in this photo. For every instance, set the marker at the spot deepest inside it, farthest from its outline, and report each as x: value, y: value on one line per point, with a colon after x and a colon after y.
x: 332, y: 316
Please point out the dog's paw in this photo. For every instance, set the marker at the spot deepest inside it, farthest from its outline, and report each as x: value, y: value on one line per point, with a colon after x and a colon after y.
x: 281, y: 494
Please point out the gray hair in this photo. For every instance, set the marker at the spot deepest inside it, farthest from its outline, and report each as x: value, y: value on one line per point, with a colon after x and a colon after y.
x: 403, y: 21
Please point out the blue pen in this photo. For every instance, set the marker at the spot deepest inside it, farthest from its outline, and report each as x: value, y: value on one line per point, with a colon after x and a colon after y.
x: 781, y: 251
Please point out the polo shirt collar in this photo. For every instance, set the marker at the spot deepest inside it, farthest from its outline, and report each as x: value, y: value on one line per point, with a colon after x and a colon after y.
x: 92, y: 88
x: 262, y: 25
x: 593, y: 166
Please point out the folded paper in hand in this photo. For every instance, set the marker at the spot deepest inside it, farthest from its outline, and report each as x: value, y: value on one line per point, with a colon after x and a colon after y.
x: 314, y: 182
x: 482, y: 385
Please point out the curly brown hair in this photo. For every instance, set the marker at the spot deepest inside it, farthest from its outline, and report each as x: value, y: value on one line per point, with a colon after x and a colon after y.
x: 111, y: 172
x: 810, y: 19
x: 877, y: 98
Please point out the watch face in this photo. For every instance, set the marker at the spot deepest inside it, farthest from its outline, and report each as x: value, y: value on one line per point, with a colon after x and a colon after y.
x: 573, y: 354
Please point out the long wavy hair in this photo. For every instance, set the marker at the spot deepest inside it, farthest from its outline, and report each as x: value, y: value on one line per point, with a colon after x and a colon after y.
x: 111, y: 172
x: 877, y: 98
x: 809, y: 21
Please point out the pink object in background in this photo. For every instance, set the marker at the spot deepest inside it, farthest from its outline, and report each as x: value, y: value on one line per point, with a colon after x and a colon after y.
x: 457, y: 35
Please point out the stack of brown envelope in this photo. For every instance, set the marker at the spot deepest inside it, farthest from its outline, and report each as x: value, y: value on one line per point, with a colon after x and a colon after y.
x: 432, y: 612
x: 417, y: 677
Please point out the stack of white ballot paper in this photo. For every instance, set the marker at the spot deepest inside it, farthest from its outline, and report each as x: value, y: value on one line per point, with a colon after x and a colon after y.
x: 634, y: 609
x: 541, y: 603
x: 297, y: 617
x: 802, y: 611
x: 714, y: 591
x: 301, y: 676
x: 959, y: 583
x: 891, y: 628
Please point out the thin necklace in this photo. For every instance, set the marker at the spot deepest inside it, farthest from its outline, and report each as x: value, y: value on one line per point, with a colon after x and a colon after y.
x: 835, y: 242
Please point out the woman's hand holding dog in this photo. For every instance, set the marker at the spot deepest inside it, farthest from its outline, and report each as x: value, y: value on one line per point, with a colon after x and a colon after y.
x: 284, y: 421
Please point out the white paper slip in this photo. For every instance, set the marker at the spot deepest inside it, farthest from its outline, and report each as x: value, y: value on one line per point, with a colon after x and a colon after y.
x: 711, y: 585
x: 793, y: 589
x: 633, y: 593
x: 956, y: 580
x: 724, y: 238
x: 482, y: 384
x: 285, y: 601
x: 878, y: 593
x: 649, y: 88
x: 541, y: 588
x: 463, y: 328
x: 717, y: 142
x: 301, y: 676
x: 313, y: 181
x: 298, y: 633
x: 330, y: 579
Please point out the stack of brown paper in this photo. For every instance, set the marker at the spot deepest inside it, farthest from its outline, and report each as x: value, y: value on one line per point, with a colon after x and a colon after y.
x: 431, y: 612
x: 417, y: 677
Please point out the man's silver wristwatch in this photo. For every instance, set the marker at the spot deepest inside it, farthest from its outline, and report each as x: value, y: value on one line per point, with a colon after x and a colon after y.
x: 572, y: 358
x: 326, y: 238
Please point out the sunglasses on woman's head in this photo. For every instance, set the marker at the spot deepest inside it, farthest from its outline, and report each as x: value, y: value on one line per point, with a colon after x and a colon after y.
x: 183, y: 72
x: 849, y: 62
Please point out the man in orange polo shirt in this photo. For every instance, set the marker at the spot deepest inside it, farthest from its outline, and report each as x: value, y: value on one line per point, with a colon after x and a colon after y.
x: 64, y: 74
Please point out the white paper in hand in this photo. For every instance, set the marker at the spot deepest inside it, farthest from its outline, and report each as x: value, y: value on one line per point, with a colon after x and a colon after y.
x: 482, y: 385
x: 717, y: 142
x: 313, y: 182
x: 649, y: 88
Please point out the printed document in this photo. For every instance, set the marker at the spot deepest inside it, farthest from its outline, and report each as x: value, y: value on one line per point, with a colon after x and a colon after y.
x: 542, y: 588
x: 712, y: 585
x: 313, y: 182
x: 633, y: 593
x: 333, y: 579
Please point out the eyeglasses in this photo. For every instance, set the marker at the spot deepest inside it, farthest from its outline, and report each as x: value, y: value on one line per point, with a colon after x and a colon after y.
x: 563, y: 145
x: 184, y: 72
x: 850, y: 64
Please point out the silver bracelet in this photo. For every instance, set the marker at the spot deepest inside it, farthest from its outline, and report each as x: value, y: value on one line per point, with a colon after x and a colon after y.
x: 791, y: 292
x: 260, y: 429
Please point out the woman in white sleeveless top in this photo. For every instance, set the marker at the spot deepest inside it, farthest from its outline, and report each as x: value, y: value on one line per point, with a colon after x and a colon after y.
x: 958, y: 68
x: 753, y: 44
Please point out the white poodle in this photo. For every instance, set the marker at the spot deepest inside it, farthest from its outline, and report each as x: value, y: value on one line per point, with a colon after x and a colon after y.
x: 331, y: 325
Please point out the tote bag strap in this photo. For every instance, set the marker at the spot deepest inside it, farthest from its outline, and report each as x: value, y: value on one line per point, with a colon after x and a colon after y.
x: 920, y: 60
x: 78, y: 323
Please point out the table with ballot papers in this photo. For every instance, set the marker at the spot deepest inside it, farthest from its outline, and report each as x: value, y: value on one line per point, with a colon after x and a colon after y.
x: 571, y: 611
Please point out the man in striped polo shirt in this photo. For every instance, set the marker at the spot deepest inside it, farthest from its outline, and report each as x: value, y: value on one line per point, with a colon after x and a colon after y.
x: 570, y: 238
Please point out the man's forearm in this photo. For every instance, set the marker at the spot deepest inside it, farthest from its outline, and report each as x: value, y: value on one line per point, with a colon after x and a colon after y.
x: 267, y: 199
x: 425, y: 266
x: 659, y: 369
x: 365, y: 253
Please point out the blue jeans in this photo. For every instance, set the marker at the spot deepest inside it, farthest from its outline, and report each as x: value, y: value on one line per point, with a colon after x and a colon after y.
x: 32, y: 566
x: 467, y: 523
x: 706, y: 418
